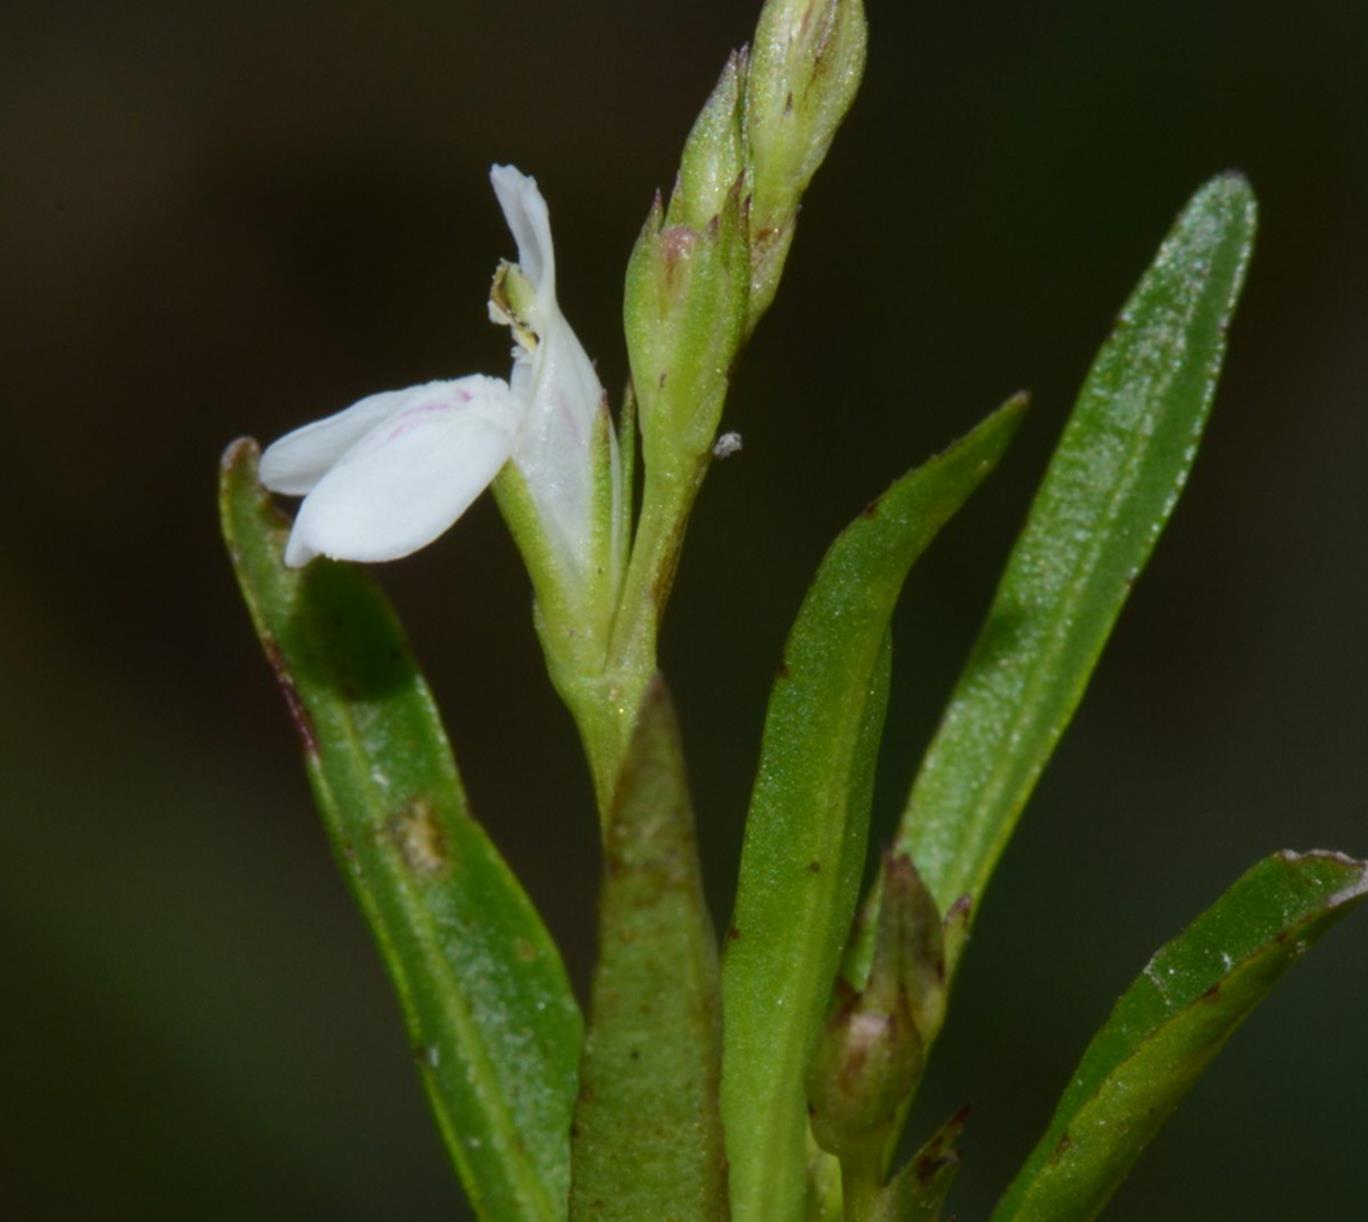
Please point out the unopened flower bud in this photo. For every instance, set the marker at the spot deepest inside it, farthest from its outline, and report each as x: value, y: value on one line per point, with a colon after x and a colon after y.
x: 805, y: 68
x: 867, y: 1062
x: 870, y: 1057
x: 684, y: 310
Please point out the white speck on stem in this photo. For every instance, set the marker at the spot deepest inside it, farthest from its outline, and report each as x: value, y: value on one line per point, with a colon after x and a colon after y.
x: 727, y: 445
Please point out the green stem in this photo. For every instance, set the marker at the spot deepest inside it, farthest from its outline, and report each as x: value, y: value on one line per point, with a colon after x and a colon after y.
x: 668, y: 500
x: 604, y: 701
x: 861, y: 1183
x: 603, y: 705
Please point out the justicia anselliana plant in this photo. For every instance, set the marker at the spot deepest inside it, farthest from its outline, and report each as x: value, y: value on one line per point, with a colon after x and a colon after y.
x: 773, y: 1084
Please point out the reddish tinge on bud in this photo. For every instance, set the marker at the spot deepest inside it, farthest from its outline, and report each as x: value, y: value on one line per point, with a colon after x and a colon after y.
x: 870, y: 1057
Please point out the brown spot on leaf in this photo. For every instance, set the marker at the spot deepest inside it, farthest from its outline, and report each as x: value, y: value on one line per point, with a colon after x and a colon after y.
x: 733, y: 934
x: 815, y: 867
x: 1212, y: 994
x: 421, y: 840
x: 299, y: 713
x: 784, y: 671
x: 524, y: 950
x: 1062, y: 1148
x: 872, y: 509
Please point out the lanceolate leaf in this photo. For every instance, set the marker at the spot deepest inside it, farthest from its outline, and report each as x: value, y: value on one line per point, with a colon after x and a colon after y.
x: 648, y: 1134
x: 1115, y: 476
x: 490, y: 1016
x: 806, y: 833
x: 1170, y: 1024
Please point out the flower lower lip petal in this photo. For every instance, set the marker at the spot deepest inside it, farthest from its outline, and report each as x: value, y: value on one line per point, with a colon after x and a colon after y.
x: 409, y: 478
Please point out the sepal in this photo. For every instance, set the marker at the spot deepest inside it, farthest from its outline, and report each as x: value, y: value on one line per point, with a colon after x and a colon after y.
x: 715, y: 155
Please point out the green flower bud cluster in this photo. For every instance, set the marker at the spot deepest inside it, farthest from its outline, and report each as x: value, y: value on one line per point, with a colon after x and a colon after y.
x: 706, y: 268
x: 871, y: 1054
x: 702, y: 272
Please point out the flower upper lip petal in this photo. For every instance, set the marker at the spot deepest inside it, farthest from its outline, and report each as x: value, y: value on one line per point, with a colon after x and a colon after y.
x: 525, y: 210
x: 557, y: 381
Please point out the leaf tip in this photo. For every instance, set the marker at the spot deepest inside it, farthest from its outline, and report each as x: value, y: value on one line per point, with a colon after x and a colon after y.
x: 1230, y: 196
x: 1356, y: 888
x: 1010, y: 415
x: 1231, y: 185
x: 1013, y: 412
x: 240, y: 452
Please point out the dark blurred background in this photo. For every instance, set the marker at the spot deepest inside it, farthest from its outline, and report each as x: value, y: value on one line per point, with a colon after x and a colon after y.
x: 234, y: 218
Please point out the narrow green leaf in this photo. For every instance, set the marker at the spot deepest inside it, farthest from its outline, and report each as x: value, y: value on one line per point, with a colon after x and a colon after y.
x: 648, y: 1134
x: 1169, y: 1025
x: 805, y: 836
x: 490, y: 1016
x: 1110, y: 488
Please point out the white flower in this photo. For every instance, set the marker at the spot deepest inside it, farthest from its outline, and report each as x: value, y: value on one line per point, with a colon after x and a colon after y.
x: 392, y: 472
